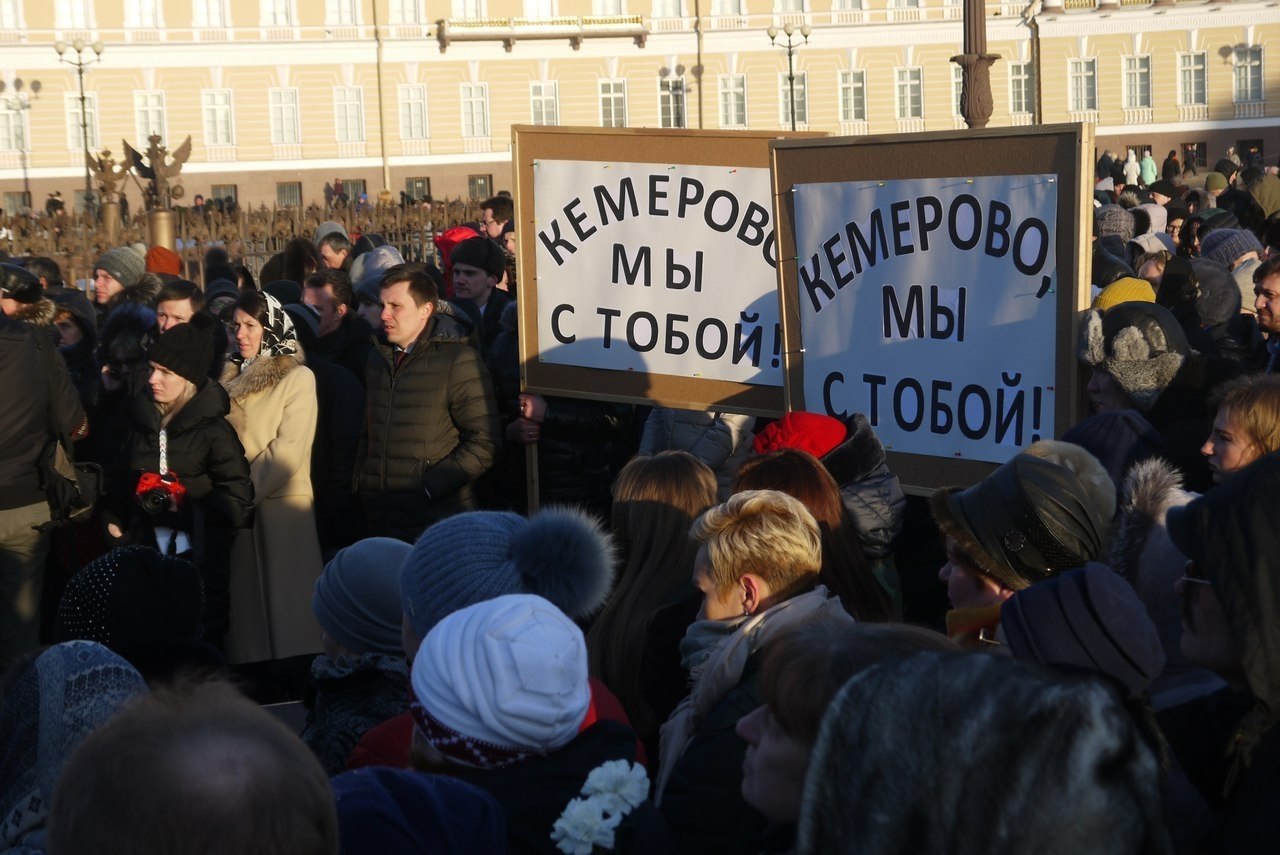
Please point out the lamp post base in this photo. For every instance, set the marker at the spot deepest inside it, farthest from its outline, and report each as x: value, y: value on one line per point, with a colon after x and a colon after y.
x: 162, y: 227
x: 111, y: 222
x: 975, y: 98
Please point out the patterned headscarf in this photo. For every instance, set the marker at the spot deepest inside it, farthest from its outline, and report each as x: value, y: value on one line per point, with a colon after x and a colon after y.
x: 278, y: 336
x: 70, y: 690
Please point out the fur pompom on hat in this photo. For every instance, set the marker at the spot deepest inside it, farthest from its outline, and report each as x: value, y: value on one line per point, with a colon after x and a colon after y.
x: 1125, y: 290
x: 1113, y: 220
x: 1031, y: 518
x: 812, y: 432
x: 561, y: 554
x: 1141, y: 345
x: 1226, y: 245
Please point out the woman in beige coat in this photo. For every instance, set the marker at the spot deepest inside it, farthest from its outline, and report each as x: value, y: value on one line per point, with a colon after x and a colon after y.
x: 274, y: 564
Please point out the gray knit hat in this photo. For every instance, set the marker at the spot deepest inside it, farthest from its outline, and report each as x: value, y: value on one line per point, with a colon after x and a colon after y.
x: 561, y: 554
x: 1141, y: 345
x: 357, y: 598
x: 124, y: 265
x: 329, y: 227
x: 1226, y: 245
x: 1113, y: 220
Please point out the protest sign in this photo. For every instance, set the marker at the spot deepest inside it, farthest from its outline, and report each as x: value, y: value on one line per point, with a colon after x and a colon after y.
x: 940, y: 305
x: 649, y: 267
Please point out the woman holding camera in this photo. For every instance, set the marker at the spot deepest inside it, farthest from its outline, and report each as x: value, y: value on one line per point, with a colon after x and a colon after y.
x: 181, y: 482
x: 275, y: 563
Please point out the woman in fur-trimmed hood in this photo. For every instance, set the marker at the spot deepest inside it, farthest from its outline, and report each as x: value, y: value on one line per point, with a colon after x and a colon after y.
x: 274, y: 564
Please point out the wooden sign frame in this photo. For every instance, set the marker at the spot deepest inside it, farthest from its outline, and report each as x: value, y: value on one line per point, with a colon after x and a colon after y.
x: 531, y: 143
x: 1064, y: 150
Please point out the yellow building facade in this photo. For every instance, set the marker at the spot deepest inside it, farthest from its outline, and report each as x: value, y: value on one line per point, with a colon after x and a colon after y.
x: 281, y: 96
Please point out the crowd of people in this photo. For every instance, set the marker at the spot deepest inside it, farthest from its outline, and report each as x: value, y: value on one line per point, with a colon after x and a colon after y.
x: 713, y: 634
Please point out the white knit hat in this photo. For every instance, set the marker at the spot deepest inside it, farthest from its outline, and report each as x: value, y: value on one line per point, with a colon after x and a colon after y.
x: 501, y: 681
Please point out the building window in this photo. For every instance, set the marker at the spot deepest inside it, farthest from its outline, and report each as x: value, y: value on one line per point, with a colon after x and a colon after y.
x: 1195, y: 154
x: 788, y: 86
x: 17, y: 202
x: 671, y: 103
x: 846, y: 5
x: 71, y: 14
x: 733, y: 100
x: 289, y: 194
x: 539, y: 8
x: 75, y: 136
x: 1022, y: 87
x: 277, y: 13
x: 209, y: 13
x: 218, y: 129
x: 348, y: 113
x: 144, y: 14
x: 853, y: 95
x: 722, y: 8
x: 607, y: 7
x: 148, y: 111
x: 1082, y: 94
x: 9, y: 15
x: 1137, y: 82
x: 904, y: 4
x: 225, y: 192
x: 613, y: 103
x: 413, y: 111
x: 468, y: 8
x: 417, y: 189
x: 354, y: 188
x: 788, y: 6
x: 1248, y: 70
x: 1191, y: 80
x: 667, y: 9
x: 406, y: 12
x: 13, y: 129
x: 285, y: 126
x: 480, y: 186
x: 475, y: 109
x: 543, y: 102
x: 910, y: 92
x: 957, y: 90
x: 340, y: 13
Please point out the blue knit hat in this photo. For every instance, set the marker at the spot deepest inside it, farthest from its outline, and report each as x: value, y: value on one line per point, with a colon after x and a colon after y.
x: 1226, y: 245
x: 560, y: 554
x: 357, y: 598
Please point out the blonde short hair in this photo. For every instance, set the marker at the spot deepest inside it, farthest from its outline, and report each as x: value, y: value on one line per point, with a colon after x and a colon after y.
x: 763, y: 532
x: 1253, y: 404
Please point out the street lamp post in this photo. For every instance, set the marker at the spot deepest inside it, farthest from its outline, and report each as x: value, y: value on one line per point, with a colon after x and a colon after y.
x: 791, y: 45
x: 80, y: 61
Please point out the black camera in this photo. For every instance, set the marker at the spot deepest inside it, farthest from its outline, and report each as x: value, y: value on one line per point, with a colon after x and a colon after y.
x: 158, y: 493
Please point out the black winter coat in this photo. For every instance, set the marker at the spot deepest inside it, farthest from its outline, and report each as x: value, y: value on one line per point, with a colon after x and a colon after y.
x: 431, y: 430
x: 340, y: 399
x: 349, y: 345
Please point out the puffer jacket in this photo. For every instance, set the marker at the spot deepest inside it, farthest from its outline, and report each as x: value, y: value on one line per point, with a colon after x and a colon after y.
x: 431, y: 429
x: 720, y: 440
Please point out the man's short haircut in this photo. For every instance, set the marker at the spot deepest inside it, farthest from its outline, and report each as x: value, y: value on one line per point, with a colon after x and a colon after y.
x: 421, y: 286
x: 502, y: 206
x: 337, y: 279
x: 336, y: 241
x: 1270, y: 267
x: 48, y: 269
x: 193, y: 769
x: 763, y: 532
x: 181, y: 289
x: 1253, y: 402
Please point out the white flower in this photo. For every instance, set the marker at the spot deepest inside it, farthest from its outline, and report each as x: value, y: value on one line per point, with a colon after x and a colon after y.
x: 626, y: 781
x: 584, y: 824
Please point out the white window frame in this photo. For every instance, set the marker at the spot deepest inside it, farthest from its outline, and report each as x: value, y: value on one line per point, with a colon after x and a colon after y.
x: 468, y: 8
x: 15, y: 129
x: 412, y: 101
x: 1082, y: 84
x: 784, y: 99
x: 1022, y: 86
x: 285, y: 110
x: 613, y: 89
x: 1193, y: 74
x: 210, y: 14
x: 539, y: 8
x: 75, y: 140
x: 608, y: 8
x: 957, y: 90
x: 348, y: 105
x: 144, y: 14
x: 341, y: 13
x: 1243, y: 60
x: 790, y: 7
x: 73, y: 15
x: 851, y: 84
x: 668, y: 8
x: 475, y: 123
x: 732, y: 91
x: 908, y: 92
x: 277, y: 13
x: 1137, y: 81
x: 726, y: 8
x: 672, y: 90
x: 406, y: 11
x: 544, y: 102
x: 142, y: 113
x: 11, y: 15
x: 210, y: 110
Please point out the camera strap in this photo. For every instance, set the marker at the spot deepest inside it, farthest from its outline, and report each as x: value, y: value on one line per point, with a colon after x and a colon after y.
x: 164, y: 452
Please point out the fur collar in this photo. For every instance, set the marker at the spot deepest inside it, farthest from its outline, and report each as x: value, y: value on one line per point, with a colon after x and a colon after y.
x: 1150, y: 489
x: 37, y: 314
x: 259, y: 376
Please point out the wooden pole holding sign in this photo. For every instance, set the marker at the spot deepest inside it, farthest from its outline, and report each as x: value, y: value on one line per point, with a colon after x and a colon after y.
x: 648, y: 268
x: 933, y: 282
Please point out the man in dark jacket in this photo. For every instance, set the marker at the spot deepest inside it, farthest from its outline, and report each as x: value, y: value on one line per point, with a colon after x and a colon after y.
x: 478, y: 266
x: 431, y: 423
x: 1229, y: 742
x: 39, y: 404
x: 344, y: 337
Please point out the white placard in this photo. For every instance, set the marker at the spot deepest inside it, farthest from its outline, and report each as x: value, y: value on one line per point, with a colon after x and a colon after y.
x: 929, y: 305
x: 658, y: 269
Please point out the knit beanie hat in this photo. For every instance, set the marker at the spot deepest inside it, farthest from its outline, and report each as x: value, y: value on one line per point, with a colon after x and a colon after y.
x: 1088, y: 618
x: 357, y: 597
x: 561, y: 554
x: 1220, y: 298
x: 161, y: 259
x: 383, y: 811
x: 1113, y: 220
x: 329, y: 227
x: 187, y: 349
x: 1157, y: 217
x: 1141, y: 345
x: 1164, y: 188
x: 501, y: 681
x: 1127, y: 289
x: 1215, y: 181
x: 367, y: 270
x: 1226, y: 245
x: 1175, y: 209
x: 1118, y: 439
x: 19, y: 284
x: 1031, y: 518
x: 124, y: 265
x: 480, y: 252
x: 812, y: 432
x: 1226, y: 167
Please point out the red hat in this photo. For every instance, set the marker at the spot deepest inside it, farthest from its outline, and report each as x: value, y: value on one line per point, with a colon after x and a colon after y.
x: 163, y: 260
x: 445, y: 242
x: 811, y: 432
